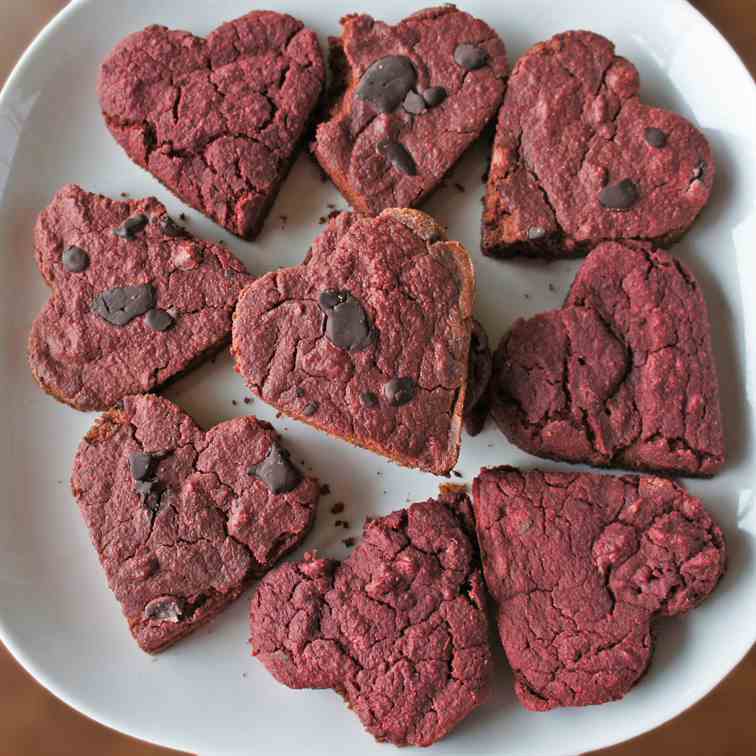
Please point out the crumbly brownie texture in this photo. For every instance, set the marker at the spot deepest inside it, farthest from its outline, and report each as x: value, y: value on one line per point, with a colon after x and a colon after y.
x: 578, y: 159
x: 368, y: 339
x: 408, y: 100
x: 399, y: 629
x: 217, y: 120
x: 182, y: 519
x: 622, y: 376
x: 478, y: 378
x: 135, y: 299
x: 579, y: 565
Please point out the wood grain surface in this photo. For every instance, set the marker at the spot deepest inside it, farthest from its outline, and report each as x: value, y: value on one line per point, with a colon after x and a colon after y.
x: 35, y: 723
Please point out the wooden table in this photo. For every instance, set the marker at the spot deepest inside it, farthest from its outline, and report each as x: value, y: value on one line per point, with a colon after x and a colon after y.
x: 33, y: 722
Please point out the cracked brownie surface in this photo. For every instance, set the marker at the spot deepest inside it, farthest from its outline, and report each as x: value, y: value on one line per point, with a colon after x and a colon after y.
x: 622, y: 375
x: 399, y: 628
x: 216, y: 120
x: 182, y: 519
x: 409, y: 100
x: 578, y: 159
x: 135, y: 299
x: 368, y: 339
x: 579, y: 565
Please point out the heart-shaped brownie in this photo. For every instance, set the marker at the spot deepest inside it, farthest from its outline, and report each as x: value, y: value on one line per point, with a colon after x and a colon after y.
x: 578, y: 159
x: 183, y: 519
x: 622, y: 376
x: 579, y: 566
x: 399, y: 629
x: 407, y: 102
x: 135, y: 299
x: 217, y: 120
x: 369, y: 338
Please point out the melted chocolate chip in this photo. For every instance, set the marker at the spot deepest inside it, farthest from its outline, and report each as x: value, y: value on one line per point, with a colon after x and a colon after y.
x: 122, y: 304
x: 470, y: 56
x: 142, y: 465
x: 310, y: 409
x: 397, y: 155
x: 132, y: 226
x: 165, y: 609
x: 158, y: 320
x: 620, y: 196
x: 75, y: 259
x: 655, y: 137
x: 414, y: 103
x: 386, y: 82
x: 399, y: 391
x: 536, y: 232
x: 277, y: 471
x: 369, y: 399
x: 347, y: 323
x: 170, y: 228
x: 433, y: 96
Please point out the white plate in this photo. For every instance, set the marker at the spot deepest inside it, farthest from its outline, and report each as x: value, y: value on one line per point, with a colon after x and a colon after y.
x: 207, y: 694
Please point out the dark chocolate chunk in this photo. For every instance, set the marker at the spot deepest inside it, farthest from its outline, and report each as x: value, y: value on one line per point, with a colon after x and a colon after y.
x: 536, y: 232
x: 369, y: 399
x: 299, y: 392
x: 142, y: 465
x: 413, y: 103
x: 470, y: 56
x: 277, y: 471
x: 386, y: 82
x: 75, y: 259
x: 400, y: 391
x: 310, y: 409
x: 347, y: 323
x: 165, y: 609
x: 655, y: 137
x: 151, y: 492
x: 132, y: 226
x: 170, y: 228
x: 433, y: 96
x: 122, y: 304
x: 158, y: 320
x: 620, y: 196
x: 397, y: 155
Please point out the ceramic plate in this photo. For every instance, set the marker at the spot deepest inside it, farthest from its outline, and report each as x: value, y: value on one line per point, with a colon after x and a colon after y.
x: 208, y: 694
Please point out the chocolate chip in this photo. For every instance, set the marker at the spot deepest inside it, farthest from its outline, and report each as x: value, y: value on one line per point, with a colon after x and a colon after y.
x: 386, y: 82
x: 470, y: 56
x: 433, y: 96
x: 413, y: 103
x: 310, y: 409
x: 170, y: 228
x: 165, y: 609
x: 277, y: 471
x: 132, y: 226
x: 347, y: 323
x: 158, y: 320
x: 620, y: 196
x: 369, y: 399
x: 399, y: 391
x: 655, y: 137
x: 142, y: 465
x: 299, y: 392
x: 151, y: 492
x: 536, y: 232
x: 122, y: 304
x: 397, y: 155
x: 75, y: 259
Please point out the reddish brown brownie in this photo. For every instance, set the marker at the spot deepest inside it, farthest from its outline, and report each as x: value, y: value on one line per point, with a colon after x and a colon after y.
x: 183, y: 519
x: 217, y: 120
x: 135, y: 299
x: 368, y: 339
x: 578, y: 159
x: 407, y: 102
x: 399, y: 629
x: 579, y: 566
x: 622, y: 376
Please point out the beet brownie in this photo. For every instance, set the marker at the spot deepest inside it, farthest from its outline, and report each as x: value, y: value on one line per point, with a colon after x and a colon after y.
x: 218, y: 121
x: 478, y: 378
x: 622, y: 376
x: 407, y: 101
x: 399, y: 629
x: 368, y: 339
x: 136, y: 300
x: 183, y: 519
x: 579, y: 566
x: 578, y: 159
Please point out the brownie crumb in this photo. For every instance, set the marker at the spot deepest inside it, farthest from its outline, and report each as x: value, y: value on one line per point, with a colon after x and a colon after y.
x: 552, y: 287
x: 345, y: 524
x: 233, y: 401
x: 247, y: 400
x: 452, y: 488
x: 457, y: 473
x: 337, y: 508
x: 349, y: 542
x: 459, y: 187
x: 325, y: 489
x: 182, y: 216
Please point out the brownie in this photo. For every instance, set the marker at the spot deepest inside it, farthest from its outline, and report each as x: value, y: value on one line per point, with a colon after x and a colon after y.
x: 478, y: 377
x: 183, y: 519
x: 399, y: 629
x: 623, y: 375
x: 136, y: 300
x: 578, y: 159
x: 218, y: 121
x: 579, y: 566
x: 368, y: 339
x: 407, y: 101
